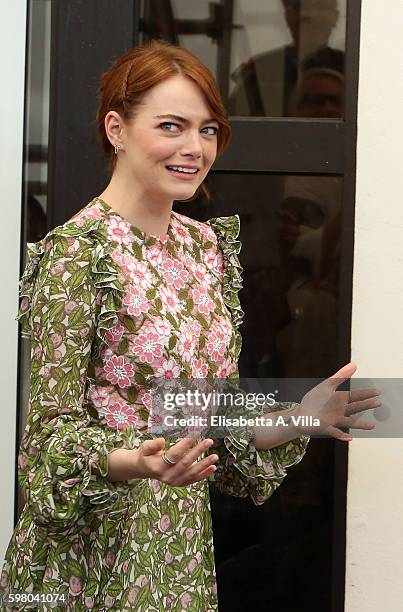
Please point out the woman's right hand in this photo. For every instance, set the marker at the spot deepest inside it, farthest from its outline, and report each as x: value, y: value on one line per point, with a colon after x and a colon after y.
x: 146, y: 462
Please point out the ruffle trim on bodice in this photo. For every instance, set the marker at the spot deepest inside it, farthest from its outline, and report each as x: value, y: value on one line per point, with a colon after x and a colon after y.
x: 227, y: 231
x: 105, y: 273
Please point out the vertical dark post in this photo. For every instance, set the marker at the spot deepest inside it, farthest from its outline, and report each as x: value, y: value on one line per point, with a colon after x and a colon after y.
x: 85, y: 38
x: 346, y: 286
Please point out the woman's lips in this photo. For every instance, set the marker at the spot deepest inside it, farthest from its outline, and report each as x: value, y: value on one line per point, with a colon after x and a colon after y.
x: 185, y: 176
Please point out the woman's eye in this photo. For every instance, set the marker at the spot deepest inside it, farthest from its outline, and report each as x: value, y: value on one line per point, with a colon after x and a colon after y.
x: 169, y: 123
x: 212, y: 128
x: 162, y: 125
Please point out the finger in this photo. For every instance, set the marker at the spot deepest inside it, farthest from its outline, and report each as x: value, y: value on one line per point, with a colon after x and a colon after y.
x: 343, y: 374
x: 202, y: 475
x: 338, y: 434
x: 356, y: 407
x: 177, y: 451
x: 194, y: 453
x: 351, y: 423
x: 200, y: 466
x: 362, y: 394
x: 151, y: 447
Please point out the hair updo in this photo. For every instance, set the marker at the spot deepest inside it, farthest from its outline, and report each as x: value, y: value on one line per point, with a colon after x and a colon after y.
x: 134, y: 73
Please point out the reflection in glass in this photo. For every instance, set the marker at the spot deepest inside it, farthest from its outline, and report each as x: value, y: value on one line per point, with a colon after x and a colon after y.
x: 36, y: 146
x: 290, y: 234
x: 271, y: 58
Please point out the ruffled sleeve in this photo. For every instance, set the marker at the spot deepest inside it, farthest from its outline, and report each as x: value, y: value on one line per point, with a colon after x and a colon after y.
x: 70, y: 293
x: 243, y: 470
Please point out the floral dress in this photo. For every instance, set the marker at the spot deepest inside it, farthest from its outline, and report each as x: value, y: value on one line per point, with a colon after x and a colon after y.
x: 108, y: 308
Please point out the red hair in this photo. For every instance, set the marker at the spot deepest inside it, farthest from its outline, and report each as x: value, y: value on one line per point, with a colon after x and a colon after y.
x: 134, y: 73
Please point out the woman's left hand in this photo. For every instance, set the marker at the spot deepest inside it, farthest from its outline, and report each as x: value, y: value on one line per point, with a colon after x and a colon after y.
x: 336, y: 409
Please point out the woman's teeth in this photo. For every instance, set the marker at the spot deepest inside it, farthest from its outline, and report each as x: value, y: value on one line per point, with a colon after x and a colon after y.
x: 181, y: 169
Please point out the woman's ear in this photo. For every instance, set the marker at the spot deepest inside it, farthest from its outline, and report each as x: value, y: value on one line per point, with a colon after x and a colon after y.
x: 114, y: 128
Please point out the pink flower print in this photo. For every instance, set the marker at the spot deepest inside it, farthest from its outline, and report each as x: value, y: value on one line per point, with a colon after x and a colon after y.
x: 119, y: 371
x: 155, y: 485
x: 37, y: 352
x: 22, y: 461
x: 190, y: 262
x: 155, y: 424
x: 165, y: 522
x: 208, y: 233
x: 132, y: 594
x: 84, y: 331
x: 115, y: 333
x: 154, y: 255
x: 168, y: 369
x: 56, y: 339
x: 148, y: 346
x: 192, y: 565
x: 120, y: 415
x: 204, y: 303
x: 110, y: 558
x: 119, y: 258
x: 136, y: 301
x: 175, y: 273
x: 189, y: 532
x: 202, y: 276
x: 142, y: 275
x: 98, y: 396
x: 119, y: 231
x: 4, y: 579
x: 168, y: 557
x: 24, y: 303
x: 76, y: 585
x: 194, y: 327
x: 226, y: 368
x: 216, y: 345
x: 213, y: 259
x: 170, y: 300
x: 225, y: 326
x: 199, y: 368
x: 57, y: 268
x: 186, y: 347
x: 69, y: 306
x: 220, y: 263
x: 160, y: 326
x: 93, y: 213
x: 89, y: 602
x: 183, y: 236
x: 146, y: 399
x: 109, y: 601
x: 186, y: 600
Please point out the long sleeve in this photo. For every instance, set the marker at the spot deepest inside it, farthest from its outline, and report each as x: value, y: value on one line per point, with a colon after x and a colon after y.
x: 243, y: 470
x: 62, y: 463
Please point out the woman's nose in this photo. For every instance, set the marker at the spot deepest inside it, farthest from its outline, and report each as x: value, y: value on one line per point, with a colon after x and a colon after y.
x: 193, y: 145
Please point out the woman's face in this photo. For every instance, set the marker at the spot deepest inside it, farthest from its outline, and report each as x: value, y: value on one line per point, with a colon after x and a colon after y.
x: 155, y: 139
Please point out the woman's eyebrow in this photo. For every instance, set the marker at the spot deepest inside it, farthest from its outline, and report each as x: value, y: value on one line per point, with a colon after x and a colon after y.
x: 182, y: 119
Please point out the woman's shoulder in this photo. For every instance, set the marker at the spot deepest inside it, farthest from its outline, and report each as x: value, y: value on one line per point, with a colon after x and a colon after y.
x: 214, y: 231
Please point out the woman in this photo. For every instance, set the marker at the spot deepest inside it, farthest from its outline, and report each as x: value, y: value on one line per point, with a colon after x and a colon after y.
x: 128, y: 290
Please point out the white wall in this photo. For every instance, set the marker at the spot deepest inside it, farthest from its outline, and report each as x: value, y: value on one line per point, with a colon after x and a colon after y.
x: 12, y: 65
x: 375, y: 485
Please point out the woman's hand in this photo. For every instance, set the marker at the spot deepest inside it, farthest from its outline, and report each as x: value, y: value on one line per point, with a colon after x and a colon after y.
x: 147, y: 462
x: 334, y: 408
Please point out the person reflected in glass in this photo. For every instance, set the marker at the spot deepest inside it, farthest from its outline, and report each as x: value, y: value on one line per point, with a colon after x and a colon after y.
x: 265, y: 84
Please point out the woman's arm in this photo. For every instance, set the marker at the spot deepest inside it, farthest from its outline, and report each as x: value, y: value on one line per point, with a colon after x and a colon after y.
x: 64, y: 452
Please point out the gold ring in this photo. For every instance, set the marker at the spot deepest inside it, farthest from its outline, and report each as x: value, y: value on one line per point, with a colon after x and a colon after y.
x: 167, y: 459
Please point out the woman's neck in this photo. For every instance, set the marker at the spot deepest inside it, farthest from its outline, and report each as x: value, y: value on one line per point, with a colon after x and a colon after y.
x: 136, y: 206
